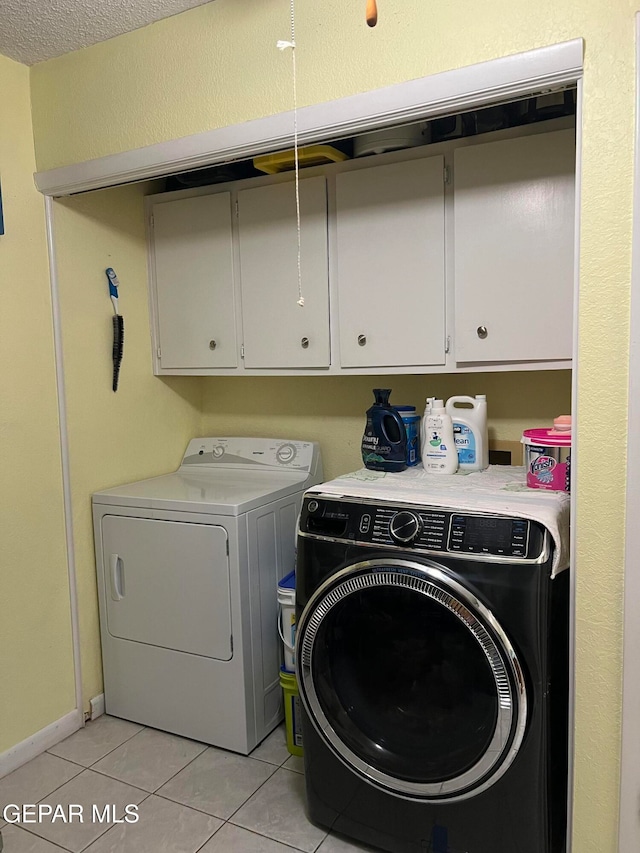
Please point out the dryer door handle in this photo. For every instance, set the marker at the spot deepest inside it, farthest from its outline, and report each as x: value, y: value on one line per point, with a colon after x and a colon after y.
x: 116, y: 576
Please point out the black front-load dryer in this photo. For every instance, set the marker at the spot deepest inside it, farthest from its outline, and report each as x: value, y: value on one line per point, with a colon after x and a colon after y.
x: 432, y: 663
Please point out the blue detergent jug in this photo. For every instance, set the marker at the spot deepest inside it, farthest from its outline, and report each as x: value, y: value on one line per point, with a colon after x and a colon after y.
x: 384, y: 443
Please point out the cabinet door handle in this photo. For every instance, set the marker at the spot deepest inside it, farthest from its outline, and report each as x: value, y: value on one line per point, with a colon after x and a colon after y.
x: 362, y: 340
x: 482, y: 332
x: 304, y: 343
x: 116, y: 577
x: 212, y: 344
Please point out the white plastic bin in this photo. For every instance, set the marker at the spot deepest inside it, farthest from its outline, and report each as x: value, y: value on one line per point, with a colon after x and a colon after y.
x: 287, y: 619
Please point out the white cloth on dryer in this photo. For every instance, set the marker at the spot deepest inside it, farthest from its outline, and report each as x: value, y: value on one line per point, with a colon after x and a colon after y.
x: 500, y: 488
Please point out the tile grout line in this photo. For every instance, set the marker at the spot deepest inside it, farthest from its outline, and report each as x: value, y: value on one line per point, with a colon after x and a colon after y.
x: 43, y: 838
x: 89, y: 766
x: 229, y: 820
x: 264, y: 760
x: 117, y: 779
x: 33, y: 835
x: 267, y: 837
x: 68, y: 760
x: 102, y: 834
x: 215, y: 832
x: 192, y: 808
x: 206, y: 747
x: 150, y: 728
x: 57, y: 787
x: 148, y: 794
x: 92, y: 767
x: 262, y: 784
x: 144, y: 728
x: 188, y: 764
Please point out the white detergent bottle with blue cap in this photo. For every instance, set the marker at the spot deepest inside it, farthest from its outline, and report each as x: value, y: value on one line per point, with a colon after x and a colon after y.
x: 439, y: 454
x: 469, y: 416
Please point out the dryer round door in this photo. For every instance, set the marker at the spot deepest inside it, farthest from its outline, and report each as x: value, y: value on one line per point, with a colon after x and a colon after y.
x: 411, y: 680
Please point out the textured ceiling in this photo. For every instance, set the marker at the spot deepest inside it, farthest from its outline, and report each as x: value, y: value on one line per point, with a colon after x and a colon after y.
x: 34, y: 30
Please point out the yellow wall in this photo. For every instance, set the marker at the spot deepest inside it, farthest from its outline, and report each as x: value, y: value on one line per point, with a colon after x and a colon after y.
x: 218, y: 65
x: 36, y: 658
x: 142, y: 429
x: 331, y: 409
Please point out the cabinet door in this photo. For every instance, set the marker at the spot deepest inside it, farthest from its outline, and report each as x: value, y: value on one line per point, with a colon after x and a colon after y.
x: 277, y: 331
x: 194, y: 282
x: 514, y: 228
x: 390, y: 264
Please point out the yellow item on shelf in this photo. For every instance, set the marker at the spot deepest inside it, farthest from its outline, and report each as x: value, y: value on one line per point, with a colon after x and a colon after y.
x: 311, y: 155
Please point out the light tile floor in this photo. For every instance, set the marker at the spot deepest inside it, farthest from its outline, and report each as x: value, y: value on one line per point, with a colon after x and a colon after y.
x: 190, y: 797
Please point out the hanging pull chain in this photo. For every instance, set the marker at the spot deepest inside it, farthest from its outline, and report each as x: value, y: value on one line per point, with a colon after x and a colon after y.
x: 285, y: 45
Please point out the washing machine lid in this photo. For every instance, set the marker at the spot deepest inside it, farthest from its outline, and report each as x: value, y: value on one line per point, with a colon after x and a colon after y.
x: 224, y: 476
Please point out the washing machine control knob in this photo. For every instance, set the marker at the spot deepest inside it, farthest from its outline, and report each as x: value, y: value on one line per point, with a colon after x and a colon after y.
x: 405, y: 526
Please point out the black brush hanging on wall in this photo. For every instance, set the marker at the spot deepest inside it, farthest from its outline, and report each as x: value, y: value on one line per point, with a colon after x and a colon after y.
x: 118, y: 326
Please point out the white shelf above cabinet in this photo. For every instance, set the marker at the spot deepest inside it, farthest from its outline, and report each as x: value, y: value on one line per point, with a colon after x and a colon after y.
x: 277, y: 331
x: 194, y: 282
x: 514, y: 258
x: 391, y: 264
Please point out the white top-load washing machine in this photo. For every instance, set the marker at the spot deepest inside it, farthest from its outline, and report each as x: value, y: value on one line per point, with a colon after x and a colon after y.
x: 188, y: 565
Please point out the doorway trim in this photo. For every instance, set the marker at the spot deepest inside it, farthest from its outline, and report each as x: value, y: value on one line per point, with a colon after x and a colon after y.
x: 498, y: 80
x: 629, y: 828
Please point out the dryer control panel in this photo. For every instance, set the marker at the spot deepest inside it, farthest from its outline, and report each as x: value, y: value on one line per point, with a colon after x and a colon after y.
x: 252, y: 454
x: 422, y: 529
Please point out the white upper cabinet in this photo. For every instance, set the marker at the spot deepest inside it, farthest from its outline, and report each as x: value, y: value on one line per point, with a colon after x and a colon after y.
x: 391, y: 264
x: 277, y: 331
x: 514, y: 249
x: 194, y: 283
x: 400, y: 272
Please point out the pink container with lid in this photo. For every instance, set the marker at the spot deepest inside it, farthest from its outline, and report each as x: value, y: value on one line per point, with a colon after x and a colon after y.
x: 548, y: 456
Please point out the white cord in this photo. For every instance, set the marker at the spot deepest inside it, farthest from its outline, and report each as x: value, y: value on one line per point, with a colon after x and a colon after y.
x: 284, y: 45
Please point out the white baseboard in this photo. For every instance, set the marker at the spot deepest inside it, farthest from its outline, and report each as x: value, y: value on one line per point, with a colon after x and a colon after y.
x: 39, y: 742
x: 97, y: 706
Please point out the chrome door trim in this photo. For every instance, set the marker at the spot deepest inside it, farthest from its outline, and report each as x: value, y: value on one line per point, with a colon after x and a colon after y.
x: 433, y: 581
